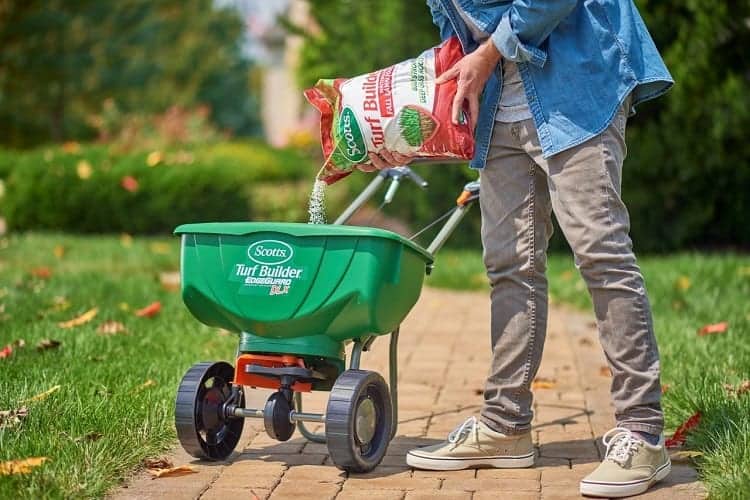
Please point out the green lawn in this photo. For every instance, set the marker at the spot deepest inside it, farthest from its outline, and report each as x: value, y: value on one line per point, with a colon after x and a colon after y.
x: 107, y: 416
x: 104, y: 380
x: 687, y: 291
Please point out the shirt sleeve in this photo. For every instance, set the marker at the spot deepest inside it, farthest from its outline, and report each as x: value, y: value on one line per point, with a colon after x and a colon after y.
x: 440, y: 20
x: 526, y: 25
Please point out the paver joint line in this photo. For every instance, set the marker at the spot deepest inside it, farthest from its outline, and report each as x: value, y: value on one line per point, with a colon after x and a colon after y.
x: 438, y: 389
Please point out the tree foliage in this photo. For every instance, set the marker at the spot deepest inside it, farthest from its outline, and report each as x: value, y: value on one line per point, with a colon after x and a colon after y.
x: 686, y: 180
x: 61, y: 59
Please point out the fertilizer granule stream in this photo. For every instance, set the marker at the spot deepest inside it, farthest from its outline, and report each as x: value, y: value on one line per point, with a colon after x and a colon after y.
x: 317, y: 208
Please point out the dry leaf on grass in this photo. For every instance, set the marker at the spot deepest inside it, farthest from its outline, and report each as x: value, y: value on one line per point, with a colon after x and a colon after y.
x: 129, y: 183
x: 23, y: 466
x: 46, y: 344
x: 684, y: 455
x: 6, y: 351
x: 665, y: 388
x: 150, y: 310
x: 43, y: 273
x: 111, y: 328
x: 170, y: 280
x: 680, y: 435
x: 739, y: 390
x: 713, y: 328
x: 682, y: 283
x: 543, y: 383
x: 146, y: 384
x: 182, y: 470
x: 59, y: 251
x: 42, y: 395
x: 80, y: 320
x: 11, y: 418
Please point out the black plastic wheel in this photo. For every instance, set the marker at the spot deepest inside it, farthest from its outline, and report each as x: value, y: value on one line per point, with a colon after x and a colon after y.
x: 276, y: 417
x: 204, y: 431
x: 359, y: 420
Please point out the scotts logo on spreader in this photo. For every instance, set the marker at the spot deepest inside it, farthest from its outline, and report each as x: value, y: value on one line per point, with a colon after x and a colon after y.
x: 353, y: 143
x: 270, y: 252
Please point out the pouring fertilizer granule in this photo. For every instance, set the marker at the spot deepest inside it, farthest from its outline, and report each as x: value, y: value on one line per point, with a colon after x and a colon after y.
x: 399, y: 109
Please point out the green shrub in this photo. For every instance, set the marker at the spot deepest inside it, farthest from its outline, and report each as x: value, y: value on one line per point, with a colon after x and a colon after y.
x: 81, y: 189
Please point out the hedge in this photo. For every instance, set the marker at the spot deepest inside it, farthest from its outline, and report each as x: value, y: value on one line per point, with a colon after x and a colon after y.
x: 94, y: 188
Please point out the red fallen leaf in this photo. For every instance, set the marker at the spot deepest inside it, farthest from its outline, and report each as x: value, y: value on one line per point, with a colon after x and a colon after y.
x: 150, y: 310
x: 713, y: 328
x: 6, y: 351
x: 43, y: 273
x: 665, y: 388
x: 129, y: 183
x: 680, y: 435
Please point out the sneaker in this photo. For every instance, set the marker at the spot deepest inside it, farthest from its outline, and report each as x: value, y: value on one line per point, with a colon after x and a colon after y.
x: 473, y: 444
x: 630, y: 466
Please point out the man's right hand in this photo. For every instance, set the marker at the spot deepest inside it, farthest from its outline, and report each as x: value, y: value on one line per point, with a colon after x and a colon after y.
x: 385, y: 159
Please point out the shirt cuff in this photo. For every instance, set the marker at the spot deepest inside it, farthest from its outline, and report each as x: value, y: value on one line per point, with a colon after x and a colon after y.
x: 511, y: 47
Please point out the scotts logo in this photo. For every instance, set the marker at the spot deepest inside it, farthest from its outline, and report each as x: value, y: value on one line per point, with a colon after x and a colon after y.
x: 270, y: 252
x: 354, y: 144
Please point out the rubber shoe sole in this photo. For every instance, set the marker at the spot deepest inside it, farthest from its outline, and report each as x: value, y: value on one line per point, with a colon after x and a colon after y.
x: 418, y: 461
x: 617, y: 490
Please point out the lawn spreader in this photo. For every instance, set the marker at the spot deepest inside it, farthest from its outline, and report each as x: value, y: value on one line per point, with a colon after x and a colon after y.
x: 297, y: 294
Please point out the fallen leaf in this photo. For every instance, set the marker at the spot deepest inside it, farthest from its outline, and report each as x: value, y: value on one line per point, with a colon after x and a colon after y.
x: 11, y: 418
x: 6, y: 351
x: 160, y: 248
x: 90, y: 437
x: 170, y: 280
x: 182, y: 470
x: 604, y: 371
x: 682, y: 283
x: 129, y: 183
x: 665, y: 388
x: 111, y: 328
x: 46, y: 344
x: 684, y: 455
x: 146, y: 384
x: 158, y: 463
x: 680, y: 435
x: 543, y: 383
x: 42, y: 395
x: 126, y: 240
x: 741, y: 389
x: 154, y: 158
x: 43, y: 273
x: 80, y: 320
x: 59, y: 251
x: 713, y: 328
x: 23, y: 466
x: 150, y: 310
x: 71, y: 147
x: 84, y: 170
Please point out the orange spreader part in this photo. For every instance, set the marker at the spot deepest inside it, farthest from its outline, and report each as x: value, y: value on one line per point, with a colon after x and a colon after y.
x: 268, y: 360
x: 463, y: 198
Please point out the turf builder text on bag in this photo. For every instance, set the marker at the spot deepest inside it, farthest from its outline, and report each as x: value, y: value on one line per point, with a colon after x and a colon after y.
x: 399, y: 108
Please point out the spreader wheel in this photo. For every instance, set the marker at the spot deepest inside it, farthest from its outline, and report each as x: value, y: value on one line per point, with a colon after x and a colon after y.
x: 358, y: 420
x: 276, y: 417
x: 203, y: 429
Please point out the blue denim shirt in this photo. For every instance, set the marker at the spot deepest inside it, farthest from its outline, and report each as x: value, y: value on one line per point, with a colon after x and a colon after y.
x: 579, y: 60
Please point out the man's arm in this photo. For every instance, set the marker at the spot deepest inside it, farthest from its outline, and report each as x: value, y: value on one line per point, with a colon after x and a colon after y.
x: 526, y: 25
x: 440, y: 19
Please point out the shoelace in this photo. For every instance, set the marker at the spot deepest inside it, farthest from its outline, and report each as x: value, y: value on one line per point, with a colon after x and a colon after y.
x: 468, y: 427
x: 621, y: 444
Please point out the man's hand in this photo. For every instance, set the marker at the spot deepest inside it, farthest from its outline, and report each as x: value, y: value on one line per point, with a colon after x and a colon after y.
x: 471, y: 73
x: 385, y: 159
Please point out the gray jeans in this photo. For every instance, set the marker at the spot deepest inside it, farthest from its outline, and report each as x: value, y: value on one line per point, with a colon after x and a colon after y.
x: 519, y: 191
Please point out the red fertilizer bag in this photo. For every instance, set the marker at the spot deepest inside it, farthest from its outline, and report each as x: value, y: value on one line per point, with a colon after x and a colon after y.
x: 399, y: 108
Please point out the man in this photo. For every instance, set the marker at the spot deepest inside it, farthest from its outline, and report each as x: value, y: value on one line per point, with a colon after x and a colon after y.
x: 559, y: 79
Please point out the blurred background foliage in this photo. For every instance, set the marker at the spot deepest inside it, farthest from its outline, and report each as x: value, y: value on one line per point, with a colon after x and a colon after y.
x: 134, y: 78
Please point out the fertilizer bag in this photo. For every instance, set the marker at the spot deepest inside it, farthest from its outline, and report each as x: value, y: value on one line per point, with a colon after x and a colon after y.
x: 399, y: 108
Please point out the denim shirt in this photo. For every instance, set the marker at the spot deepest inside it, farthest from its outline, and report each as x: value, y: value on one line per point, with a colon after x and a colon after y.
x: 579, y: 60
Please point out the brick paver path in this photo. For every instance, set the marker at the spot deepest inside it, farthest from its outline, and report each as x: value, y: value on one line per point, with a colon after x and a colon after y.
x: 443, y: 359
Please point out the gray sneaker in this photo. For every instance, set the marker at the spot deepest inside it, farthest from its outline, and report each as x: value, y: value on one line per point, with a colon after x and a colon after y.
x: 630, y: 466
x: 473, y: 444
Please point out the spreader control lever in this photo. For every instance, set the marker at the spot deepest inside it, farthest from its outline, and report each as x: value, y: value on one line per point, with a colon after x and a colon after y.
x: 395, y: 174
